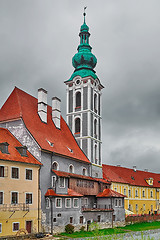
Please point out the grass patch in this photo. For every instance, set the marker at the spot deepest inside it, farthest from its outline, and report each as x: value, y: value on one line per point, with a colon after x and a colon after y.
x: 110, y: 231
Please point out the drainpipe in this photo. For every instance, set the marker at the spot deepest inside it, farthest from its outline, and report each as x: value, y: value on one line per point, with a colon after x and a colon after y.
x: 39, y: 200
x: 51, y: 215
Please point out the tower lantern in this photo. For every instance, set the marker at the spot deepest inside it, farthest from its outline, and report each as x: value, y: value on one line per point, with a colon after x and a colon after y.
x: 84, y: 102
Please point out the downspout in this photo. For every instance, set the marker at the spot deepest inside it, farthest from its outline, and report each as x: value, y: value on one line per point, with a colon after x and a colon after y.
x: 39, y: 200
x: 51, y: 215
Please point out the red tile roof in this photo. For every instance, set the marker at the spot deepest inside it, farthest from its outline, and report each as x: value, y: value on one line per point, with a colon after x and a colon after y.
x: 71, y: 193
x: 14, y: 155
x: 73, y: 175
x: 22, y: 105
x: 110, y: 193
x: 129, y: 176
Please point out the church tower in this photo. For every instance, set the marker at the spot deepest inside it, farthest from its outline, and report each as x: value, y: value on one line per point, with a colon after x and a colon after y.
x: 84, y: 102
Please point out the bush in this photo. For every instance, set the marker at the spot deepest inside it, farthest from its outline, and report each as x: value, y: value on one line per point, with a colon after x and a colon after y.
x: 69, y: 228
x: 82, y: 228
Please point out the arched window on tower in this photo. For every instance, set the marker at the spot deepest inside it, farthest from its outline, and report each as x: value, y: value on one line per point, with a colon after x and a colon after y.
x: 95, y: 103
x: 55, y: 166
x: 71, y: 168
x: 78, y: 100
x: 95, y: 154
x: 77, y: 125
x: 95, y: 128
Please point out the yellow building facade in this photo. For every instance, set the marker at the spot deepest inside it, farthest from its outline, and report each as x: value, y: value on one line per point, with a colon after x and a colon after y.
x: 141, y: 188
x: 20, y: 209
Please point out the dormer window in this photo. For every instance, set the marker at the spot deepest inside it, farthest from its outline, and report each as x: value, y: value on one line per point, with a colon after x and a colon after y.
x: 150, y: 181
x: 4, y: 147
x: 22, y: 150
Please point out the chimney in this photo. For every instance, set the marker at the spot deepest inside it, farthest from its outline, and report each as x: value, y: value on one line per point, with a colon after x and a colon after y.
x: 42, y: 104
x: 56, y: 112
x: 134, y: 168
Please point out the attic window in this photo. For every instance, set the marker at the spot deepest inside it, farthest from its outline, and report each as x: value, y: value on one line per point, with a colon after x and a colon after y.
x: 158, y: 181
x: 149, y: 181
x: 4, y: 147
x: 50, y: 143
x: 132, y: 178
x: 71, y: 150
x: 22, y: 150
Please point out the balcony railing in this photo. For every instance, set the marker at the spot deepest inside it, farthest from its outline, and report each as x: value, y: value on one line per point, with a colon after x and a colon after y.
x: 97, y: 207
x: 14, y: 207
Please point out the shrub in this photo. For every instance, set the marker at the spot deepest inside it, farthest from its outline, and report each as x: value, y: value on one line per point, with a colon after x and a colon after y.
x: 69, y: 228
x: 82, y: 228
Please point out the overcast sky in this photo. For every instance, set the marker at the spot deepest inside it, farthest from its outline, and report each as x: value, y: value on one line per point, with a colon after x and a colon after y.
x: 38, y: 39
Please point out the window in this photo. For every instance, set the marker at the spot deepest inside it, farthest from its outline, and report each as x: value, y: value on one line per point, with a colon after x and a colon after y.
x: 151, y: 194
x: 129, y: 193
x: 47, y: 203
x: 15, y: 226
x: 15, y: 172
x: 54, y: 220
x: 71, y: 169
x: 75, y: 203
x: 78, y: 100
x: 71, y: 219
x: 130, y: 207
x: 53, y: 181
x: 77, y: 125
x: 1, y: 197
x: 68, y: 202
x: 55, y: 166
x: 124, y: 191
x: 115, y: 189
x: 4, y: 147
x: 62, y: 182
x: 29, y: 174
x: 95, y: 103
x: 95, y: 128
x: 116, y: 203
x: 59, y: 215
x: 136, y: 193
x: 120, y: 203
x: 84, y: 171
x: 1, y: 171
x: 99, y: 218
x: 95, y: 154
x: 0, y: 227
x: 58, y: 202
x: 143, y: 193
x: 14, y: 198
x: 85, y: 201
x: 28, y: 198
x: 81, y: 220
x: 151, y: 208
x: 136, y: 207
x: 144, y: 207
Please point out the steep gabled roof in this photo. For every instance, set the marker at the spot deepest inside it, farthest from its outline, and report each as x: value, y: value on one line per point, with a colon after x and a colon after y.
x: 22, y: 105
x: 13, y: 154
x: 130, y: 176
x: 71, y: 193
x: 110, y: 193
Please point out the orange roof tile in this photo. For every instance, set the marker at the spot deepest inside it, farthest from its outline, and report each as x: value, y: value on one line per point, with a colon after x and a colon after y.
x: 22, y: 105
x: 73, y: 175
x: 14, y: 155
x: 71, y: 193
x: 129, y: 176
x: 110, y: 193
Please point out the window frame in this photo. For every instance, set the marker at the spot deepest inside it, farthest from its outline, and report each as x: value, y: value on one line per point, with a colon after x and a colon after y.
x: 63, y: 182
x: 84, y: 169
x: 30, y: 169
x: 12, y: 173
x: 57, y: 165
x: 60, y: 202
x: 77, y: 202
x: 53, y: 185
x: 28, y: 193
x: 13, y: 226
x: 47, y: 201
x: 151, y: 194
x: 2, y: 197
x: 17, y: 197
x: 78, y: 100
x: 66, y: 203
x: 77, y: 128
x: 136, y: 192
x: 71, y: 165
x: 143, y: 193
x: 3, y: 171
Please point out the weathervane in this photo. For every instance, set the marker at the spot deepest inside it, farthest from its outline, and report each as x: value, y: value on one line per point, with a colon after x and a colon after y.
x: 84, y: 14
